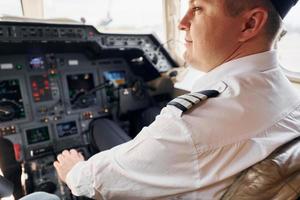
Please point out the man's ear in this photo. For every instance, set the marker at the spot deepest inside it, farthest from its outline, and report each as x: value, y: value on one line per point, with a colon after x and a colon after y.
x: 253, y: 23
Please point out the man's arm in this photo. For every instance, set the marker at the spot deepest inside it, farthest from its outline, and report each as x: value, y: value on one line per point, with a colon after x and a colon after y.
x: 160, y: 161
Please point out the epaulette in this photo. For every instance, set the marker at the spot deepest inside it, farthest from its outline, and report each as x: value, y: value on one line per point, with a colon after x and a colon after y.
x: 187, y: 101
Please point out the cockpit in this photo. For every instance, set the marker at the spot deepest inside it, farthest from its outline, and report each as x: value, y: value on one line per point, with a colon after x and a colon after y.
x: 60, y: 79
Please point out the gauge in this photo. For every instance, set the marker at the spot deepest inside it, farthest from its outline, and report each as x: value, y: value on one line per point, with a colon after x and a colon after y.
x: 9, y: 110
x: 79, y: 86
x: 11, y: 102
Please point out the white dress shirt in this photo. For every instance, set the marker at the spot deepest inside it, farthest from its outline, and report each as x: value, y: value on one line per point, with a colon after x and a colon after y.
x: 197, y: 154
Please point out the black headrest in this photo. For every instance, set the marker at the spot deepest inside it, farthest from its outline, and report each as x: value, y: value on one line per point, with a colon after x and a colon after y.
x: 283, y: 6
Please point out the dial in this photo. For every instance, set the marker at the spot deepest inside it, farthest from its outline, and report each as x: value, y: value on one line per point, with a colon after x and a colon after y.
x: 11, y: 102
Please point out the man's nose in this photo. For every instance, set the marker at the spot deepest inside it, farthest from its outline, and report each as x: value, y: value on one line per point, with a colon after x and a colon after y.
x: 184, y: 23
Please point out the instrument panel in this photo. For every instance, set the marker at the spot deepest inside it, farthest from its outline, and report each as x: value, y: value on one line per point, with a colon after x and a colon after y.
x: 51, y: 73
x: 59, y: 96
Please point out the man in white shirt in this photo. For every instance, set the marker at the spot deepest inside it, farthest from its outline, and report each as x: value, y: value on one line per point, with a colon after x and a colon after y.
x: 196, y: 150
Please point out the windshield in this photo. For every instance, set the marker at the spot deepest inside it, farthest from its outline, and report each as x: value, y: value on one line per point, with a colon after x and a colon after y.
x: 288, y: 46
x: 134, y: 16
x: 11, y: 7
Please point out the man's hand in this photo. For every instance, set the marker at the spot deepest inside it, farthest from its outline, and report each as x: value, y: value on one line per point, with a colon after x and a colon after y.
x: 66, y: 161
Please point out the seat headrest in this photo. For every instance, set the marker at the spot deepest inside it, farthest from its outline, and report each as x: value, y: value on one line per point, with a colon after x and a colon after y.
x: 273, y: 176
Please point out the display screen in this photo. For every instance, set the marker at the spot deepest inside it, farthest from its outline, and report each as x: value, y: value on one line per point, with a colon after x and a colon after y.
x: 36, y: 63
x: 117, y: 78
x: 11, y: 102
x: 66, y: 129
x: 38, y: 135
x: 40, y: 88
x: 79, y: 85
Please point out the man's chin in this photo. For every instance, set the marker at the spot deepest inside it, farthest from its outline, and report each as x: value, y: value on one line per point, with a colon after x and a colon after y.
x: 187, y: 57
x: 193, y: 63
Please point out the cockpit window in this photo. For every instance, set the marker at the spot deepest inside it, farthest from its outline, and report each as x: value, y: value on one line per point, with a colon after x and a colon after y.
x: 289, y: 44
x: 11, y: 8
x: 134, y: 16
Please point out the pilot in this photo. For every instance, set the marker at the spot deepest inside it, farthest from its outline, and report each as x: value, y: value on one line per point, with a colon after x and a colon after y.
x: 236, y: 115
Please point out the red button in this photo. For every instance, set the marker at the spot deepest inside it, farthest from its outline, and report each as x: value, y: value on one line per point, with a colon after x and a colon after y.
x: 17, y: 149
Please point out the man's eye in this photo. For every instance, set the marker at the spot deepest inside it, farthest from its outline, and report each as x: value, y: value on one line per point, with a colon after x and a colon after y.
x: 196, y: 9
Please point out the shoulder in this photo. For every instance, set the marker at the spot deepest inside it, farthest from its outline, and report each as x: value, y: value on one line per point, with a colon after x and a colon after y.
x: 187, y: 102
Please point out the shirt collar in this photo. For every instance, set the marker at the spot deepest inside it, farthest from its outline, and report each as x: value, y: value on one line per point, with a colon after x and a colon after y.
x: 256, y: 62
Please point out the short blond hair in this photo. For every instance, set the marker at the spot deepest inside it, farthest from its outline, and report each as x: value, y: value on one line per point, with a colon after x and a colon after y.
x: 274, y: 21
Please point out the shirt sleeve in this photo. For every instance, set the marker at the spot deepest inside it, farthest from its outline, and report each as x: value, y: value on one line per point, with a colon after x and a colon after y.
x: 160, y: 161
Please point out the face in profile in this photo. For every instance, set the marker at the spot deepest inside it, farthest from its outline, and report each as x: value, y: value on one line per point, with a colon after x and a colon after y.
x: 211, y: 34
